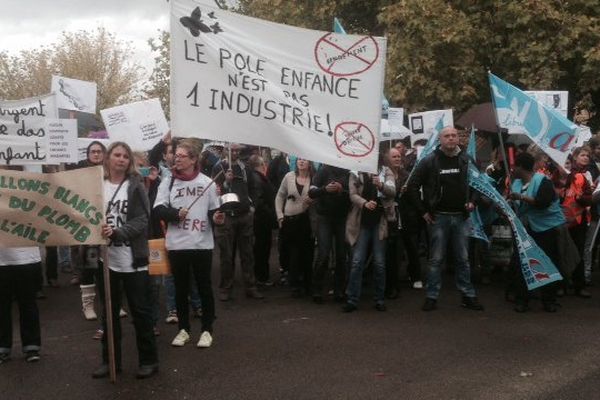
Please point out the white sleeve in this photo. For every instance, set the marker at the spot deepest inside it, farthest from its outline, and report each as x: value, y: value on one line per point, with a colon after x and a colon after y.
x: 213, y: 199
x: 162, y: 196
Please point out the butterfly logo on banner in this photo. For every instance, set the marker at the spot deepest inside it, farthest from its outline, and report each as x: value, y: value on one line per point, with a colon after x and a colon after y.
x: 196, y: 25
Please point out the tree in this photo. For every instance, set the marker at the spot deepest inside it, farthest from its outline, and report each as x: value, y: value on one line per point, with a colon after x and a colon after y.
x: 96, y: 56
x: 161, y: 73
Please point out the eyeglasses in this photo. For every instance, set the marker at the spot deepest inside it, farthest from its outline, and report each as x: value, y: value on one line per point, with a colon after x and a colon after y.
x: 182, y: 156
x: 96, y: 152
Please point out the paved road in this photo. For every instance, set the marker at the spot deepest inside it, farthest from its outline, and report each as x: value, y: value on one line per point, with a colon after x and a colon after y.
x: 284, y: 348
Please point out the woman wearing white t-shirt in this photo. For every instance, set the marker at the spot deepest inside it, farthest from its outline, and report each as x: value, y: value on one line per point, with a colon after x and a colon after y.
x: 127, y: 217
x: 189, y: 238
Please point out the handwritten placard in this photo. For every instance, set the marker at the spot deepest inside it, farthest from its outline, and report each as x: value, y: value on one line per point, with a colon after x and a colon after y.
x: 74, y: 94
x: 141, y: 124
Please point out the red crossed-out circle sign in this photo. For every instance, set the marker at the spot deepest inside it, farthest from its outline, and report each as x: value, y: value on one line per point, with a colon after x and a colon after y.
x: 343, y: 55
x: 354, y: 139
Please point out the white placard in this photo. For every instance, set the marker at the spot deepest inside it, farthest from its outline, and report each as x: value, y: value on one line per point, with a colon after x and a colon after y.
x: 62, y: 141
x: 73, y: 94
x: 423, y: 124
x: 310, y: 93
x: 141, y: 125
x: 394, y: 125
x: 555, y: 99
x: 82, y: 145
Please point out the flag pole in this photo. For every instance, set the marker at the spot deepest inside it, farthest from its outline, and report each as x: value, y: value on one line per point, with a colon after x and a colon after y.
x: 500, y: 139
x: 110, y: 340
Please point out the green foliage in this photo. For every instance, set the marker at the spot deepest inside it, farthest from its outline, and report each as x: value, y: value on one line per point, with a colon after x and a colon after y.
x: 159, y: 79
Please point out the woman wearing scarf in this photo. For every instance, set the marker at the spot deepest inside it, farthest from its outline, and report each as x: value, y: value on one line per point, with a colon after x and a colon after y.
x: 189, y: 238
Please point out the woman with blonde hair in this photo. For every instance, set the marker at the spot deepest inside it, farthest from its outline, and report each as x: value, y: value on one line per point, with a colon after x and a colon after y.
x: 292, y: 206
x: 126, y: 228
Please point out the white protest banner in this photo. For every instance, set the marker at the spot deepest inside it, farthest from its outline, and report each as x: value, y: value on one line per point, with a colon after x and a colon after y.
x: 396, y: 124
x: 555, y: 99
x: 424, y: 124
x: 73, y: 94
x: 310, y: 93
x: 83, y: 144
x: 63, y: 208
x: 141, y: 125
x: 33, y: 107
x: 583, y: 133
x: 62, y: 141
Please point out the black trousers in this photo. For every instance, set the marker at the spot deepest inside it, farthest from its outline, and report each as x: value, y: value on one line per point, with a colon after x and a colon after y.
x: 578, y: 235
x: 393, y: 252
x: 136, y: 286
x: 411, y: 240
x: 199, y: 263
x: 263, y: 235
x: 51, y: 263
x: 297, y: 235
x: 331, y: 233
x: 20, y: 282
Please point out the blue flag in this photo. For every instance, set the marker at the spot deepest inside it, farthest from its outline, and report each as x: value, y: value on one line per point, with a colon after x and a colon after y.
x: 537, y: 268
x: 476, y: 225
x: 337, y: 26
x: 520, y: 113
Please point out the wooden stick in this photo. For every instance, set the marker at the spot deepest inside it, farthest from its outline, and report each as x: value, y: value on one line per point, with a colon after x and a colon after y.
x: 112, y: 367
x: 205, y: 189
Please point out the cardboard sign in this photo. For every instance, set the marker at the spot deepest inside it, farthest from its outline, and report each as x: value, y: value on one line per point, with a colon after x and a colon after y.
x: 424, y: 124
x: 141, y: 125
x: 310, y: 93
x: 63, y: 208
x: 73, y: 94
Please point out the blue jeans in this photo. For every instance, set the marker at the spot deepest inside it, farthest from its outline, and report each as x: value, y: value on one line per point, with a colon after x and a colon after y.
x: 366, y: 237
x: 170, y: 294
x: 454, y: 227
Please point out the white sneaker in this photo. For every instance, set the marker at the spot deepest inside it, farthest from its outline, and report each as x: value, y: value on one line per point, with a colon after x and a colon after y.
x: 181, y: 339
x: 123, y: 313
x: 418, y: 285
x: 205, y: 340
x: 172, y: 318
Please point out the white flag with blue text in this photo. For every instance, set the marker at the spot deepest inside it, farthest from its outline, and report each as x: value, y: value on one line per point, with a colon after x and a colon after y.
x: 520, y: 113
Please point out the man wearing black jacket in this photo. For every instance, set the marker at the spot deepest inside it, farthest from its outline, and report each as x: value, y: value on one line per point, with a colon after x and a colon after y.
x: 238, y: 229
x: 330, y: 190
x: 445, y: 206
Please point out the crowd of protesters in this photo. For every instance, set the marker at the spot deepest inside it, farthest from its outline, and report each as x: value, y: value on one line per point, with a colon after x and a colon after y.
x: 334, y: 229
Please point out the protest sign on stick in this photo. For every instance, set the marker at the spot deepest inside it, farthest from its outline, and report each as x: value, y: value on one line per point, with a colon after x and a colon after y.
x: 74, y: 94
x: 63, y: 208
x: 141, y: 125
x: 310, y: 93
x: 424, y: 124
x: 62, y: 141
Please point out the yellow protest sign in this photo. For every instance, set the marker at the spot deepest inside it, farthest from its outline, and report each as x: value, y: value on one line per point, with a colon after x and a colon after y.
x: 63, y: 208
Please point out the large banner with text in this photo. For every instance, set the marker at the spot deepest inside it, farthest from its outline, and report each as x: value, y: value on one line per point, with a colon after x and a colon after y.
x: 310, y: 93
x: 63, y: 208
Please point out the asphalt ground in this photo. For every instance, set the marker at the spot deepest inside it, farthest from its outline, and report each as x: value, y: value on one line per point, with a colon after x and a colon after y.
x: 285, y: 348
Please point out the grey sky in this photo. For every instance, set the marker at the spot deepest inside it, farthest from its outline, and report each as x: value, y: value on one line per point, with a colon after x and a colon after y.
x: 28, y: 24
